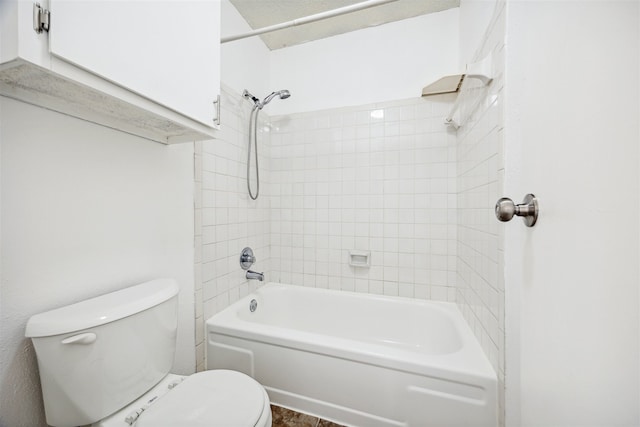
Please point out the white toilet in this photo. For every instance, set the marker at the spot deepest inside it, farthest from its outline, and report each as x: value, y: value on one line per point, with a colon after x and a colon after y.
x: 106, y: 361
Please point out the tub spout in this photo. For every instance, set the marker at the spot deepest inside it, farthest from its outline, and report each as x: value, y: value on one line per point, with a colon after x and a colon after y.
x: 252, y: 275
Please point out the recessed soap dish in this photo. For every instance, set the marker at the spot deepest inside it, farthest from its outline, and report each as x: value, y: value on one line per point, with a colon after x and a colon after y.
x: 360, y: 258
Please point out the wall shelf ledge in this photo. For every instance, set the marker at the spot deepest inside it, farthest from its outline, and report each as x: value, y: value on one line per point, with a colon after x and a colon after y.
x: 468, y: 93
x: 461, y: 83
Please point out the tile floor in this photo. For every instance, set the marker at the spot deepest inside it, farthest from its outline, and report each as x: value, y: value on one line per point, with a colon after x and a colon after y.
x: 283, y: 417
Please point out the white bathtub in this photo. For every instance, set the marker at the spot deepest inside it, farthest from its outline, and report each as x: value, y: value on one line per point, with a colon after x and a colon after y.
x: 358, y: 359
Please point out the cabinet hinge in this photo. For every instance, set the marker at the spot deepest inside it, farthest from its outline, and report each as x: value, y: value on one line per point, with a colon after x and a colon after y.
x: 41, y: 18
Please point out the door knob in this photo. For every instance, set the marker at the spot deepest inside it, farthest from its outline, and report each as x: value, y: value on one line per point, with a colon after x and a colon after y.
x: 528, y: 210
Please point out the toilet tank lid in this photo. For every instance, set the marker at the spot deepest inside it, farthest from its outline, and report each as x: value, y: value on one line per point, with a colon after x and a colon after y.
x: 101, y: 310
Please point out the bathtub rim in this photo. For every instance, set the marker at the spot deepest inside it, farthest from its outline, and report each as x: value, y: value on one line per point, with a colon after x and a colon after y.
x: 470, y: 360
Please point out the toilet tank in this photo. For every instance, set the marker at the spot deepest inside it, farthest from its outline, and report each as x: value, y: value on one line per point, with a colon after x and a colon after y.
x: 98, y: 355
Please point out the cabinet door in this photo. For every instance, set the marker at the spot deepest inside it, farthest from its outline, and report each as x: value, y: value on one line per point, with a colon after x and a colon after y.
x: 167, y: 51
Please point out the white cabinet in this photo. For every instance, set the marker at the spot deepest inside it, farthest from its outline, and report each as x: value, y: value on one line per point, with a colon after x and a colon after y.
x: 147, y: 67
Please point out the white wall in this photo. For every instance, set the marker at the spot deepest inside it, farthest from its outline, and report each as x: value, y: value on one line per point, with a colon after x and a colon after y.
x: 572, y: 280
x: 384, y: 63
x: 85, y: 210
x: 245, y: 64
x: 475, y: 18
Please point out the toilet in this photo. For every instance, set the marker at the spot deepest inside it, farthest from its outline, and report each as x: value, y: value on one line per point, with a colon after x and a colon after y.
x: 105, y: 362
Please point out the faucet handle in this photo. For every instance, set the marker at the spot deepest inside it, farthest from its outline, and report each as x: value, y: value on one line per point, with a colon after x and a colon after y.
x: 247, y: 258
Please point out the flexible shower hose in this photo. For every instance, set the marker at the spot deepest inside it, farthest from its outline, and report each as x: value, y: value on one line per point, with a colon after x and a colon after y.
x: 253, y: 130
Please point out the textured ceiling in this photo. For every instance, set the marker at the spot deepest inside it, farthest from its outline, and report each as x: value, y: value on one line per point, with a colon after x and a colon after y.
x: 263, y: 13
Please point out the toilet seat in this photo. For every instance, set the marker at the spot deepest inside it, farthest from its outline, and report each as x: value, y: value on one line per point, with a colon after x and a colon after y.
x: 210, y: 398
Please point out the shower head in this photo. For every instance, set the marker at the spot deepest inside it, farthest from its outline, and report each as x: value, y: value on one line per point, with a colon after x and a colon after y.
x: 282, y: 94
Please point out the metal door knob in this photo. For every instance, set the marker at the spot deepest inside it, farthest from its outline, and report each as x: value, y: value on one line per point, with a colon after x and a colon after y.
x: 528, y: 210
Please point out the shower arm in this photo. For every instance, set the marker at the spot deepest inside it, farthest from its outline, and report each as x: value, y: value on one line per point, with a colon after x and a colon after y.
x: 308, y: 19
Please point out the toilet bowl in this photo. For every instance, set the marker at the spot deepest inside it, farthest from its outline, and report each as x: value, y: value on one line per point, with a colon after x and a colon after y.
x: 105, y: 362
x: 211, y: 398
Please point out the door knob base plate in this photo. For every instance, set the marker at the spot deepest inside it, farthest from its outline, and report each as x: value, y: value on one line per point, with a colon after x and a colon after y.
x: 531, y: 204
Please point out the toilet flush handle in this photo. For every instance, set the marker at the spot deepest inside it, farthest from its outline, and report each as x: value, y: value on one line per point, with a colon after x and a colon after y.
x: 86, y: 338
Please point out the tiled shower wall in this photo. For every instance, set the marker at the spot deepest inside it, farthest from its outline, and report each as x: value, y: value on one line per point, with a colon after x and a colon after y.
x: 227, y: 220
x: 379, y: 178
x: 480, y: 157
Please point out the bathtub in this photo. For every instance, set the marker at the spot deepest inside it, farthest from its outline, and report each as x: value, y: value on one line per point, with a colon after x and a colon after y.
x: 357, y: 359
